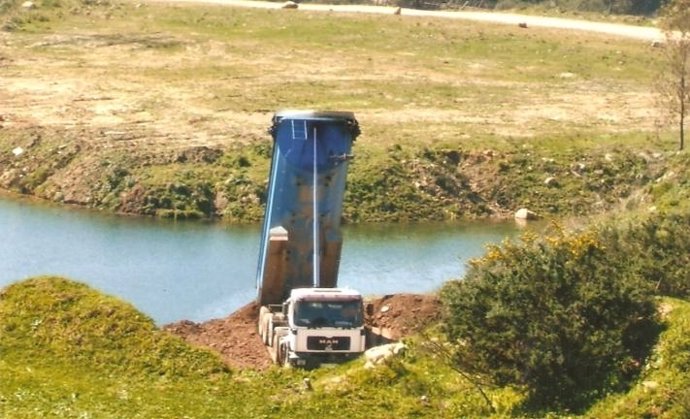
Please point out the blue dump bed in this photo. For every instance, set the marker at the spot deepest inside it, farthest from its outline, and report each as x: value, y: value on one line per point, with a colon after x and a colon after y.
x: 303, y: 141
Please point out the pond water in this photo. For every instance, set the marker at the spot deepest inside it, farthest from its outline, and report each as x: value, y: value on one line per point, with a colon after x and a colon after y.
x: 198, y: 271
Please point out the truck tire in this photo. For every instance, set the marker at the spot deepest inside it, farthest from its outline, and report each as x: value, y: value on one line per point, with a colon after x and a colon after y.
x: 264, y: 315
x: 284, y: 357
x: 270, y: 331
x: 264, y: 331
x: 277, y: 349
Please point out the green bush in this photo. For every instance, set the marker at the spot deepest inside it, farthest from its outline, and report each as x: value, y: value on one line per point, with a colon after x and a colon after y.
x: 558, y: 315
x: 656, y: 250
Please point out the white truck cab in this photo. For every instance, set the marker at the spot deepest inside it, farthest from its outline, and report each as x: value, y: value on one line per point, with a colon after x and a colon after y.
x: 315, y: 326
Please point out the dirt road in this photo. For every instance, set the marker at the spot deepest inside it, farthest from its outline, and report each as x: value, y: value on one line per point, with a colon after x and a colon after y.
x: 614, y: 29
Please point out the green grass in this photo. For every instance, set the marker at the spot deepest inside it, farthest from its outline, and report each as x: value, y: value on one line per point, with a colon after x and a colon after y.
x: 69, y: 351
x: 663, y: 391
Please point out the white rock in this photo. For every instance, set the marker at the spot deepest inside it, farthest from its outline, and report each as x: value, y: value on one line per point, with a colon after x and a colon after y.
x: 525, y: 214
x: 18, y: 151
x: 378, y: 354
x: 28, y: 5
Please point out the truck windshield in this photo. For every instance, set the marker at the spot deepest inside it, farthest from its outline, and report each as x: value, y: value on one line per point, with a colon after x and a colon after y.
x: 344, y: 314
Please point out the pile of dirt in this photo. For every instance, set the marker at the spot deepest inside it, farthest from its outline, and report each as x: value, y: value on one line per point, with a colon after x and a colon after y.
x: 235, y: 337
x: 236, y: 340
x: 398, y: 315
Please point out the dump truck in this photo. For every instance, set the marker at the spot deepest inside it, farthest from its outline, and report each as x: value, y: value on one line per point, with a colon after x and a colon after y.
x: 304, y: 318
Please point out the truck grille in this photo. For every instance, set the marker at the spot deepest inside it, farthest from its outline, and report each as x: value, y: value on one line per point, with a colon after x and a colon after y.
x: 322, y: 343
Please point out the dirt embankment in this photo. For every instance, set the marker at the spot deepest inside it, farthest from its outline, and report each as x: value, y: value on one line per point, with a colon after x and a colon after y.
x: 236, y: 340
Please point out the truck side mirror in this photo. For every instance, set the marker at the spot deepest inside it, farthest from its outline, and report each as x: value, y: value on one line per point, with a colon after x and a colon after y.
x: 369, y: 309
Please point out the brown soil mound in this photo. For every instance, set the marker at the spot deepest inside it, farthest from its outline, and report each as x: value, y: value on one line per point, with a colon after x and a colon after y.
x: 236, y: 339
x: 399, y: 315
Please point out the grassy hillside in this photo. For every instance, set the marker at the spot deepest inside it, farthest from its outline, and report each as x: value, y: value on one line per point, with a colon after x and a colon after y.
x: 663, y: 391
x: 162, y: 110
x: 69, y: 351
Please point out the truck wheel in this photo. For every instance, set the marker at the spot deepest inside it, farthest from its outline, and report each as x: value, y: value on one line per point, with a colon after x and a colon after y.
x: 284, y: 357
x: 276, y: 351
x: 270, y: 335
x: 264, y: 332
x: 263, y: 325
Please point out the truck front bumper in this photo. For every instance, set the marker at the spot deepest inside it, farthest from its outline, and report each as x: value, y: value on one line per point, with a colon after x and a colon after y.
x: 314, y: 359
